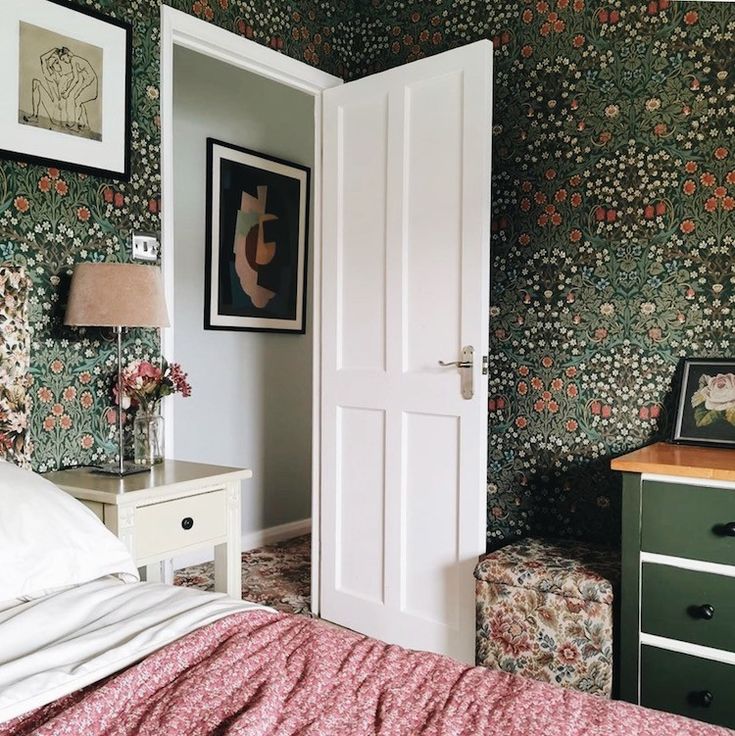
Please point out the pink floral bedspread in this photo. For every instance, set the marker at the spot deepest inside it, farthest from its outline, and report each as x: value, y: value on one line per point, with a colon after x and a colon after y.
x: 260, y: 673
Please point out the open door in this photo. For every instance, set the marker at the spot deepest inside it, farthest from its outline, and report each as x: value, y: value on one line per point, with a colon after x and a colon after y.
x: 406, y: 285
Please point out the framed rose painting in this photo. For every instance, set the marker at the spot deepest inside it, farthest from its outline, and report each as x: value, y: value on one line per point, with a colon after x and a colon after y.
x: 706, y: 410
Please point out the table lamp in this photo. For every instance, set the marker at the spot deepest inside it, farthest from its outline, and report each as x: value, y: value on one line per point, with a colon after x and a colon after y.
x: 117, y: 295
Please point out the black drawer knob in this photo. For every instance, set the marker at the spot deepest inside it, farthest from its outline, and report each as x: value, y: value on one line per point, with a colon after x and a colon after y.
x: 727, y: 530
x: 706, y: 611
x: 702, y: 698
x: 187, y: 523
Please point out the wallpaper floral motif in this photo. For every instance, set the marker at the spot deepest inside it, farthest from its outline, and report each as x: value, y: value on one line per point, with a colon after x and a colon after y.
x: 613, y: 230
x: 51, y: 219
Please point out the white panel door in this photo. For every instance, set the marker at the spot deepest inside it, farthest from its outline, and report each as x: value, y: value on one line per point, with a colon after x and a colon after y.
x: 406, y: 284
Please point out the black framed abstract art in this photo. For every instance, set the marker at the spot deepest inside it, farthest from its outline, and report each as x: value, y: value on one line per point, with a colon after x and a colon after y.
x: 65, y: 87
x: 256, y: 241
x: 706, y: 411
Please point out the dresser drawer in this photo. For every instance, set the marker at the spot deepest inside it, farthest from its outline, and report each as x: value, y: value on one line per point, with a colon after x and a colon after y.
x: 696, y: 607
x: 688, y: 521
x: 173, y: 525
x: 680, y: 683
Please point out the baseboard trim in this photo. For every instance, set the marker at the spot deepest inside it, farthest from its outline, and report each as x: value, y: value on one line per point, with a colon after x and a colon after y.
x: 251, y: 540
x: 274, y: 534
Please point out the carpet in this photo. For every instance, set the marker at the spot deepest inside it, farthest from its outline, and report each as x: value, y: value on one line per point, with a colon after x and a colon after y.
x: 278, y: 575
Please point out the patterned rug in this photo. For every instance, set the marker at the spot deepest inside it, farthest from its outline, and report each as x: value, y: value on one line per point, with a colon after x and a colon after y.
x: 278, y: 575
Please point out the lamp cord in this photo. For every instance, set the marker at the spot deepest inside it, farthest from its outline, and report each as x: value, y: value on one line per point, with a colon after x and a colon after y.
x: 120, y: 439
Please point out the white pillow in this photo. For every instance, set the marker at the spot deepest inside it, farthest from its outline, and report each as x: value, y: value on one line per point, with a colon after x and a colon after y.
x: 49, y: 540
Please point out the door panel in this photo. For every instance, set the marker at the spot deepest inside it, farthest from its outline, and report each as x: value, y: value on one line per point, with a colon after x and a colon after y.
x: 405, y: 284
x: 434, y: 196
x: 361, y: 332
x: 430, y: 588
x: 360, y: 515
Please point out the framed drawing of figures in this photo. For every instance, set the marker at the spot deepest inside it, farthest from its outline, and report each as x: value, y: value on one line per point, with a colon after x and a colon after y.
x: 65, y: 87
x: 257, y: 225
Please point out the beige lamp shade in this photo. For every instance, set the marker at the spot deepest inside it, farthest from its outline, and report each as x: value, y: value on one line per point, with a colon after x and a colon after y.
x: 116, y: 295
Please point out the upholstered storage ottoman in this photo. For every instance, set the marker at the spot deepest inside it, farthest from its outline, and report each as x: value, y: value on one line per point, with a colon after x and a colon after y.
x: 545, y: 611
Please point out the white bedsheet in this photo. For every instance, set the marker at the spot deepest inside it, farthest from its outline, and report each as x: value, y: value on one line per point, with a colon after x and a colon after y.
x: 55, y: 645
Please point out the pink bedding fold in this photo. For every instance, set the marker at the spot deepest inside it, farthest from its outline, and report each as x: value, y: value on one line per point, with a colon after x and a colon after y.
x: 264, y: 674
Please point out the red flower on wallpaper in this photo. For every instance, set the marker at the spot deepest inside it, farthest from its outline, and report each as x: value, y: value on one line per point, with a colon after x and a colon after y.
x: 21, y: 204
x: 708, y: 179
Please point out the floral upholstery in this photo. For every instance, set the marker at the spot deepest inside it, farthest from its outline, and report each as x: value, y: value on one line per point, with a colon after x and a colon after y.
x: 544, y: 610
x: 14, y: 366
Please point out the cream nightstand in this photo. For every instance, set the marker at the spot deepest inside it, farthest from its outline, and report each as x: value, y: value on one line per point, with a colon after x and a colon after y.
x: 176, y: 508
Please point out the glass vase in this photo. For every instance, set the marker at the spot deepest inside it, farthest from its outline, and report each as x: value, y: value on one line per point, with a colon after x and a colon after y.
x: 148, y: 438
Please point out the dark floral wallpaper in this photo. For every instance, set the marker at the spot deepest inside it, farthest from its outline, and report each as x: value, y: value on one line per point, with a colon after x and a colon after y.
x: 51, y: 219
x: 613, y: 230
x: 613, y: 225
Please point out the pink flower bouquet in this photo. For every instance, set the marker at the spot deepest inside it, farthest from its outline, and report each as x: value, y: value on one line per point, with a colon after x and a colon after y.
x: 145, y: 384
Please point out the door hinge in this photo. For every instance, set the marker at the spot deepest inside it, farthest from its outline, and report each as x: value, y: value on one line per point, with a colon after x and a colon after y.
x: 484, y: 365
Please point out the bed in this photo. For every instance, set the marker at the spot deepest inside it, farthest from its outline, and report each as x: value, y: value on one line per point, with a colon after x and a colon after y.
x: 86, y: 648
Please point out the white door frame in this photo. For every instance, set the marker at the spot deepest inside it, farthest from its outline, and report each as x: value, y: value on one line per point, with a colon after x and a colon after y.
x: 181, y: 29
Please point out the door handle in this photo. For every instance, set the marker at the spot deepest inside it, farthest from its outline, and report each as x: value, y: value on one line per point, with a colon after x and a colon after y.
x: 458, y: 363
x: 465, y: 366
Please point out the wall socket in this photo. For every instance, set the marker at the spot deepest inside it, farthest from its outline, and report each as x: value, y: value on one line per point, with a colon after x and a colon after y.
x: 145, y: 247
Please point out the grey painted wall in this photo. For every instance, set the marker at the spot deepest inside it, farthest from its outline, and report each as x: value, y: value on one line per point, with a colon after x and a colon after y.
x: 251, y: 402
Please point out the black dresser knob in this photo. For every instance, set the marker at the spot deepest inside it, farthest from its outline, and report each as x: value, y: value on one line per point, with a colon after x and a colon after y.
x: 702, y: 698
x: 726, y: 530
x: 187, y: 523
x: 706, y: 612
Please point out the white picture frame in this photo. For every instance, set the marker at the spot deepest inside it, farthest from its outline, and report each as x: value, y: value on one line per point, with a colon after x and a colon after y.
x: 257, y: 225
x: 65, y: 87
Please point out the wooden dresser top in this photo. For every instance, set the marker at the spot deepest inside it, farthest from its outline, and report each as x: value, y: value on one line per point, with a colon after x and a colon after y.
x: 711, y: 463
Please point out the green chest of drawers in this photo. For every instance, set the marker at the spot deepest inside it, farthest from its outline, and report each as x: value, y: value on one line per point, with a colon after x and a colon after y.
x: 677, y: 629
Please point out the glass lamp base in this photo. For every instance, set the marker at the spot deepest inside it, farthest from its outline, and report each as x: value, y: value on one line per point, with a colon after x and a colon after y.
x: 127, y: 469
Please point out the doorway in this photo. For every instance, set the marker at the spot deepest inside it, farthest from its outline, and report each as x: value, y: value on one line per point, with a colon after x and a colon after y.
x: 255, y: 394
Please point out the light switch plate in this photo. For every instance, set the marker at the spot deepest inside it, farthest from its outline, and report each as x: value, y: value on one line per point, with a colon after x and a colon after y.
x: 145, y: 247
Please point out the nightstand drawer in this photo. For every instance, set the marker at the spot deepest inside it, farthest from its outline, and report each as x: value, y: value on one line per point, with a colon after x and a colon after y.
x: 687, y: 685
x: 174, y: 525
x: 696, y: 522
x: 696, y: 607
